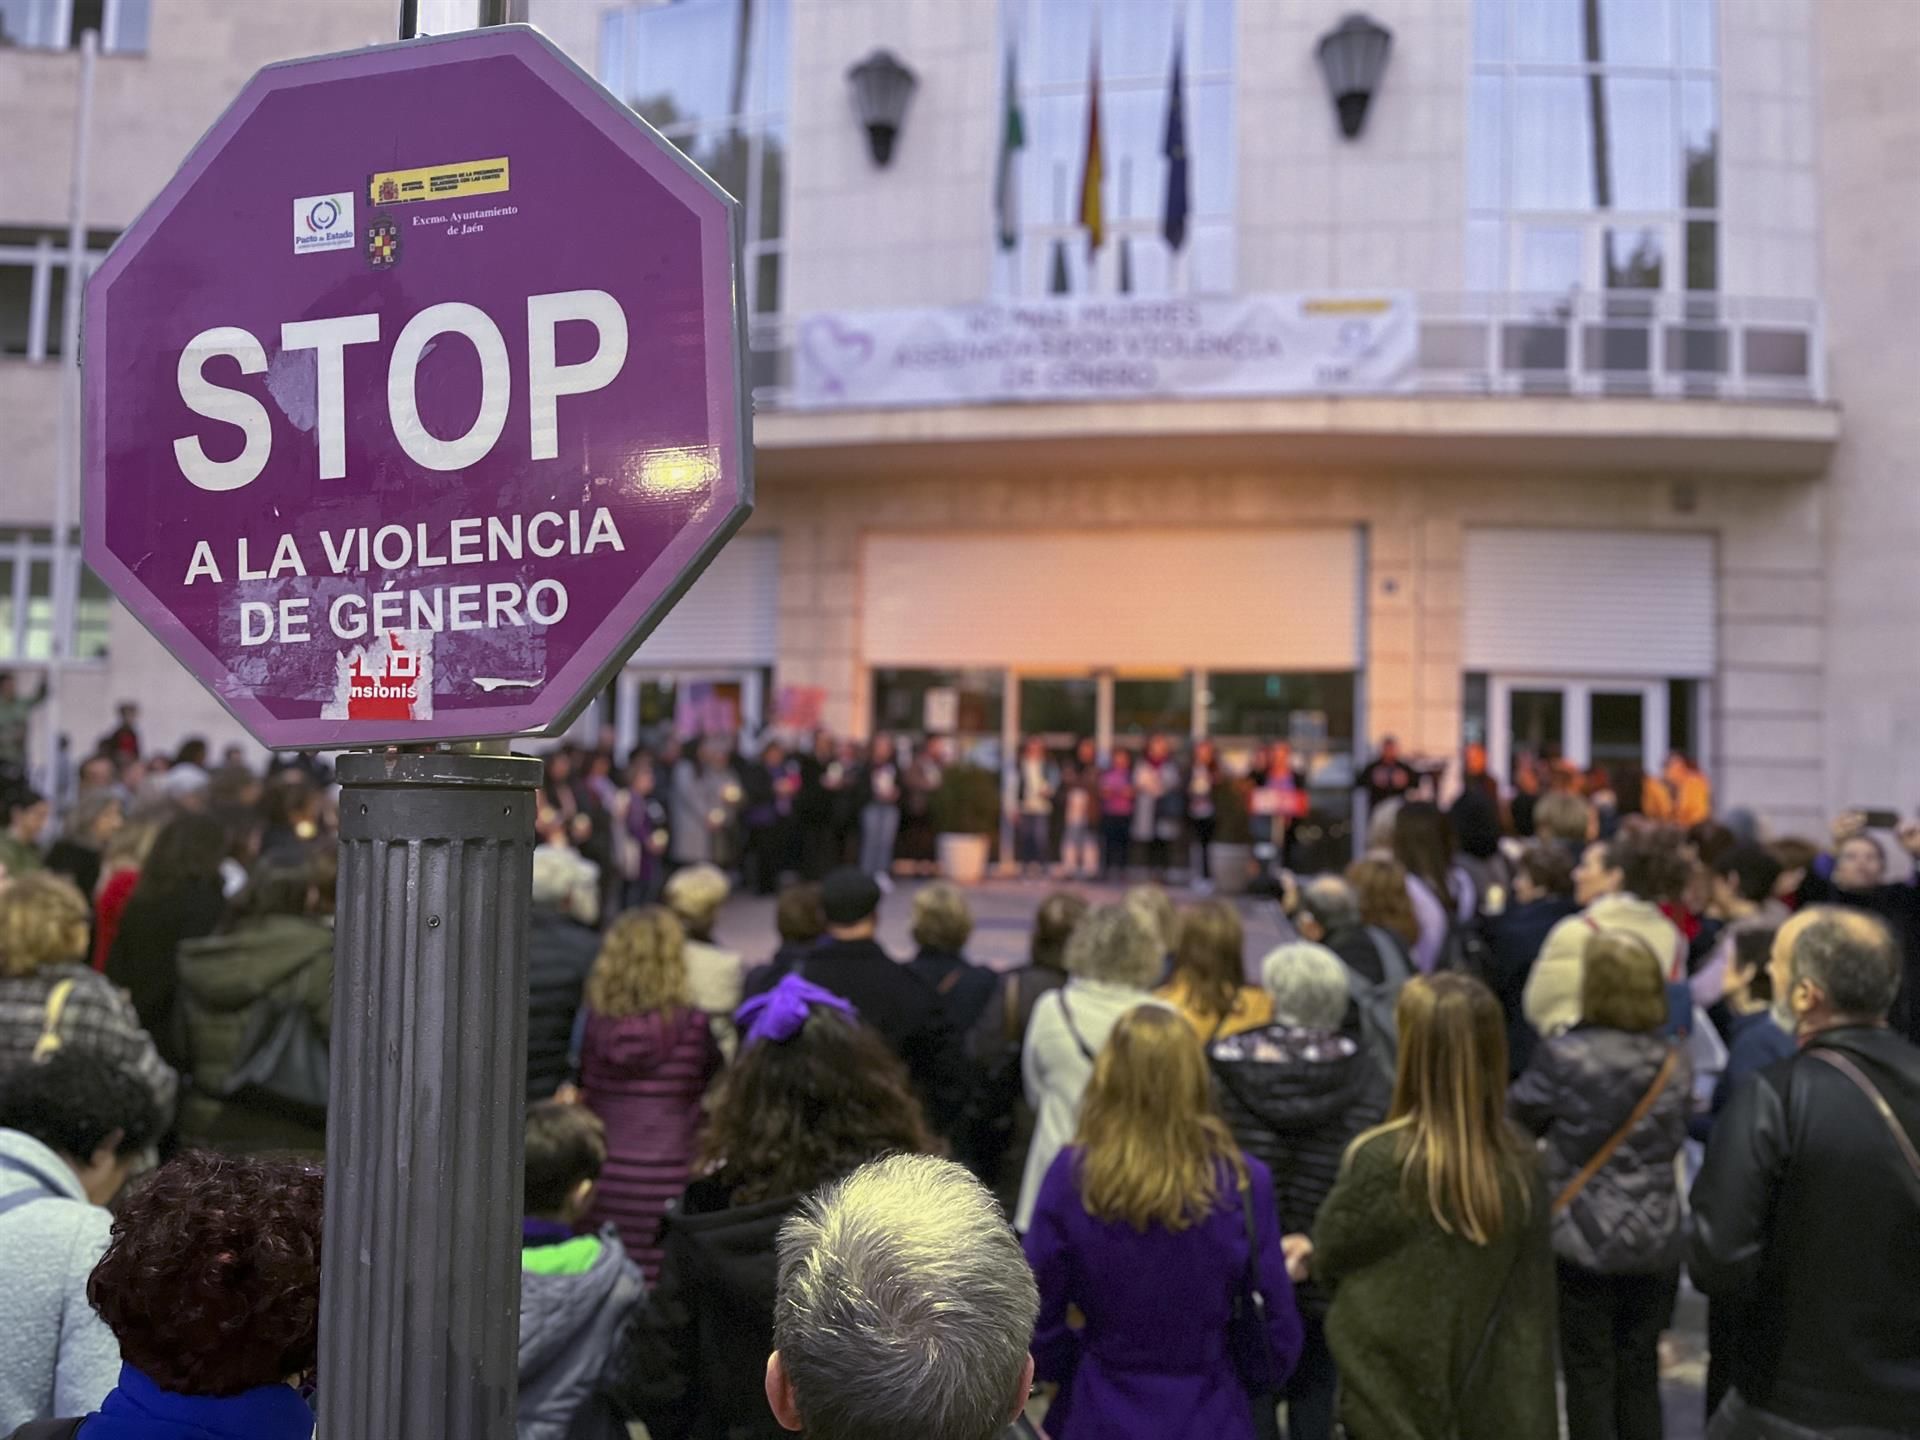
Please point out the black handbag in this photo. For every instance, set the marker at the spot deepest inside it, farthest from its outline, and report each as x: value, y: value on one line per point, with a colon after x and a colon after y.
x: 1249, y: 1341
x: 283, y: 1065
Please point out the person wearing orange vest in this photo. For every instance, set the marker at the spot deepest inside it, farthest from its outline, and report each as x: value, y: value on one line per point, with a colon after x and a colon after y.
x: 1692, y: 791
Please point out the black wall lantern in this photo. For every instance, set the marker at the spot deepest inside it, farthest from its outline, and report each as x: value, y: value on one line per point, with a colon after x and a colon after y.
x: 1352, y: 56
x: 882, y: 86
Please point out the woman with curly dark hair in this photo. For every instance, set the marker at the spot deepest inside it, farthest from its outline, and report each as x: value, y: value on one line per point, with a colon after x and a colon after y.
x: 211, y: 1284
x: 814, y: 1095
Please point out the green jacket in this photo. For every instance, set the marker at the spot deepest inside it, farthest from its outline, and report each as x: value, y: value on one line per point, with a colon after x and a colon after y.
x: 286, y: 956
x: 19, y: 857
x: 1411, y: 1302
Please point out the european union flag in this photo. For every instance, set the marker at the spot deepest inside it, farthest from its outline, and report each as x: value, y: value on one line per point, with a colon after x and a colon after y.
x: 1173, y: 216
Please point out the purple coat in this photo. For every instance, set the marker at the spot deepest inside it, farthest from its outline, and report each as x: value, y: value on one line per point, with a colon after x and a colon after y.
x: 1152, y: 1361
x: 644, y: 1076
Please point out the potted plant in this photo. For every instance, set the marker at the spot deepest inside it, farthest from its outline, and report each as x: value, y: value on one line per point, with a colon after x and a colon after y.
x: 1230, y: 856
x: 966, y: 812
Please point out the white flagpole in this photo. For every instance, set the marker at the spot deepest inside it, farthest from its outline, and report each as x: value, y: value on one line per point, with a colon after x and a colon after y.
x: 66, y: 480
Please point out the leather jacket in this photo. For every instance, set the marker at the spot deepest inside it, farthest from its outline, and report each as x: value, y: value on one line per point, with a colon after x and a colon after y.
x: 1807, y: 1222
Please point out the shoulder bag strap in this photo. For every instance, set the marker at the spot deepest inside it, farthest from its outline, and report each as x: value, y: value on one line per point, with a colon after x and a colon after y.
x: 49, y: 1040
x: 1066, y: 1014
x: 1874, y: 1098
x: 948, y: 981
x: 1619, y: 1137
x: 1253, y: 1240
x: 1478, y: 1358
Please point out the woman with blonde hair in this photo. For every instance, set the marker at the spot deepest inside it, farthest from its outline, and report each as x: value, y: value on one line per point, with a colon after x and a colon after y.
x: 647, y: 1056
x: 715, y: 976
x: 50, y: 1000
x: 1208, y: 984
x: 1434, y: 1241
x: 1153, y: 1211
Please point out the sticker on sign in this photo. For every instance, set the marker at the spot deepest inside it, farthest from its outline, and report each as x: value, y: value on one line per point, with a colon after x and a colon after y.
x: 323, y: 222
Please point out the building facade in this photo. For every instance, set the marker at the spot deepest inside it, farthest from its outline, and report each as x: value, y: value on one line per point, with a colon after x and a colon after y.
x: 1631, y: 480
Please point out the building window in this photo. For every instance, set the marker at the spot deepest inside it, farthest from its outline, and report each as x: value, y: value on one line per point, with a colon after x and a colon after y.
x: 33, y: 288
x: 26, y: 600
x: 1593, y: 153
x: 711, y: 75
x: 1051, y: 50
x: 59, y: 24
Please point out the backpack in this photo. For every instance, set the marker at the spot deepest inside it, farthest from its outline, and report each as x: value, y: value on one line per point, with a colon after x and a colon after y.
x: 1379, y: 1034
x: 987, y: 1119
x: 282, y: 1067
x: 1465, y: 948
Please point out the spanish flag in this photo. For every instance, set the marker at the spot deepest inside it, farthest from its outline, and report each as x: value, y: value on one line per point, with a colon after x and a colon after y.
x: 1093, y: 214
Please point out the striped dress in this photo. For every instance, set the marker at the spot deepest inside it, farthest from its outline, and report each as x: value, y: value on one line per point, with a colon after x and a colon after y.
x: 644, y: 1076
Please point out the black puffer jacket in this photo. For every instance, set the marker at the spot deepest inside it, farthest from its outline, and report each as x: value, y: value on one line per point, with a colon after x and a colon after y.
x: 1294, y: 1100
x: 560, y: 953
x: 1807, y: 1220
x: 1580, y: 1089
x: 695, y: 1358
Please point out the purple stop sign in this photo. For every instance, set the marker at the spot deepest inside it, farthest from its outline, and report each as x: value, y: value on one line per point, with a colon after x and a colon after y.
x: 414, y: 400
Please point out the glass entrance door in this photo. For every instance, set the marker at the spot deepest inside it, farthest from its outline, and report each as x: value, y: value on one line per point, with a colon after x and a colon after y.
x: 1584, y: 722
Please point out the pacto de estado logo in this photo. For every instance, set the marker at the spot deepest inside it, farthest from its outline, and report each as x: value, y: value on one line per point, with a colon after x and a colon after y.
x: 324, y: 215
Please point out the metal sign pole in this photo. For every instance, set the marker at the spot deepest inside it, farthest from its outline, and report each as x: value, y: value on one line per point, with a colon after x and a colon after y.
x: 420, y: 1292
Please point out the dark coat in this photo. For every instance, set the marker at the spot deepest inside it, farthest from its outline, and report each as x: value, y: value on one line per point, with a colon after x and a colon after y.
x: 963, y: 987
x: 1411, y: 1302
x: 1003, y: 1121
x: 145, y: 959
x: 79, y: 863
x: 1514, y: 938
x: 904, y: 1008
x: 1580, y: 1089
x: 222, y: 977
x: 1358, y: 947
x: 1753, y: 1043
x: 696, y: 1360
x: 1294, y: 1100
x: 1806, y: 1217
x: 560, y: 953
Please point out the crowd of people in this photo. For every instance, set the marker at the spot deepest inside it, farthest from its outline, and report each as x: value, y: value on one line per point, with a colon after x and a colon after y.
x: 1432, y: 1168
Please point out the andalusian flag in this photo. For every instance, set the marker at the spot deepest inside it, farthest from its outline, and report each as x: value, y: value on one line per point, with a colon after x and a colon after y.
x: 1093, y: 214
x: 1013, y: 139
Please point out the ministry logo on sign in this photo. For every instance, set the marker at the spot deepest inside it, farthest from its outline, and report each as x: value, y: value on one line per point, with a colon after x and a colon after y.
x: 323, y: 222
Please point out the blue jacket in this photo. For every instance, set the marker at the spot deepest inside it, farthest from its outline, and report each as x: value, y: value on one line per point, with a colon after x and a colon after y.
x: 138, y: 1409
x: 1753, y: 1042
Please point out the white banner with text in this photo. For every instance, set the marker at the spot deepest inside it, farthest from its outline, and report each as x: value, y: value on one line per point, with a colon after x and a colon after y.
x: 1066, y: 349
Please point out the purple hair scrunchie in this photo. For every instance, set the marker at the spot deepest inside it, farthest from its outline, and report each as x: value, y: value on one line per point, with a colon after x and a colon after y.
x: 778, y: 1014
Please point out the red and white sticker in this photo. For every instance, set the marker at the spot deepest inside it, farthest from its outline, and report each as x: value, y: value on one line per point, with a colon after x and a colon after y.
x: 391, y: 679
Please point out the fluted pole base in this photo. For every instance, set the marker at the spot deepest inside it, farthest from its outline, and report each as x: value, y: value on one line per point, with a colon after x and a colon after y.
x: 420, y: 1288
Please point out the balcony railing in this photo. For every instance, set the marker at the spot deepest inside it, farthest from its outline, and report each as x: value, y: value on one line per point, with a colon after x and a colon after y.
x: 1678, y: 347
